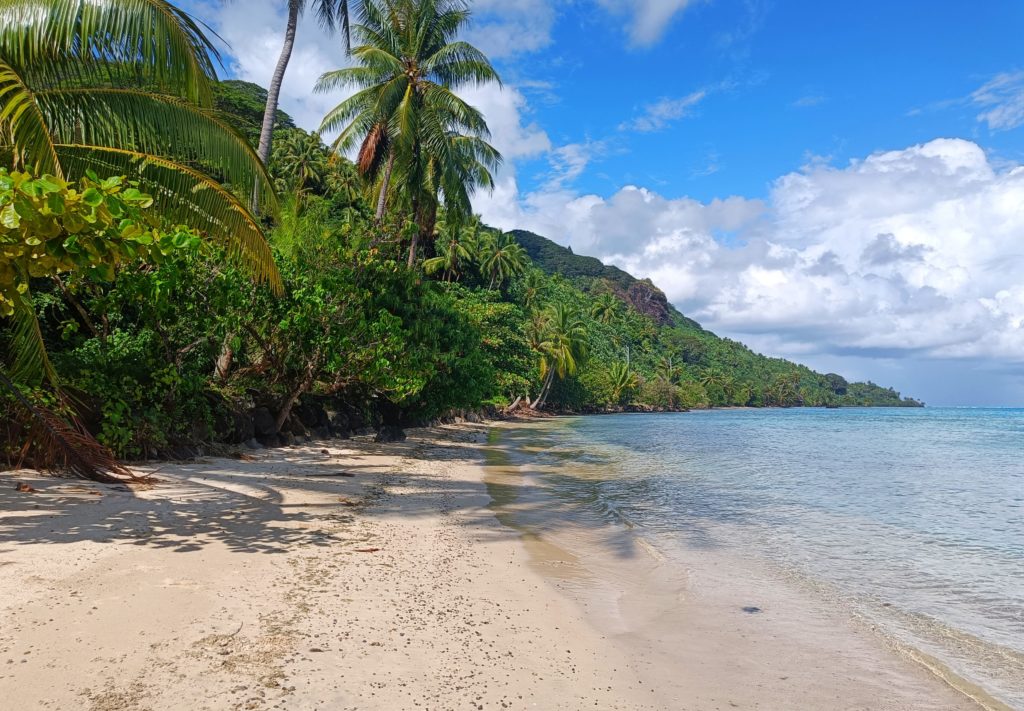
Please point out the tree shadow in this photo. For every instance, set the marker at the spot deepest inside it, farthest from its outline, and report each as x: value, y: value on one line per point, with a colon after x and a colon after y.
x: 280, y: 500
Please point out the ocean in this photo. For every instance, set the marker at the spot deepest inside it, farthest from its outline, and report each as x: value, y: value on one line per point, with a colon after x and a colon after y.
x: 911, y: 519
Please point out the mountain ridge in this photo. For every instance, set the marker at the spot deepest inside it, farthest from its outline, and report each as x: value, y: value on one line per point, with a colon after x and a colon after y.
x: 592, y: 276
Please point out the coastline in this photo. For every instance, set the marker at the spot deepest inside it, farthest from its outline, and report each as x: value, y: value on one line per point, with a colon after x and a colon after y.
x: 379, y: 577
x: 722, y: 629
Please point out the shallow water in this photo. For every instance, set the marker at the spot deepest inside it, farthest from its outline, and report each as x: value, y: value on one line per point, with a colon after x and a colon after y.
x: 914, y: 519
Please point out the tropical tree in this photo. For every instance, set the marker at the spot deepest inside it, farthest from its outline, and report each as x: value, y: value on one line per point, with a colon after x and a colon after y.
x: 331, y: 14
x: 606, y: 307
x: 623, y: 381
x: 405, y: 115
x: 562, y: 343
x: 121, y: 88
x: 300, y: 163
x: 124, y: 88
x: 532, y: 285
x: 669, y: 370
x: 501, y: 258
x: 457, y: 247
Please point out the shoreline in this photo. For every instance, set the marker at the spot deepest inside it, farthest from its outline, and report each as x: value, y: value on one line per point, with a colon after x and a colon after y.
x: 372, y: 576
x: 726, y: 629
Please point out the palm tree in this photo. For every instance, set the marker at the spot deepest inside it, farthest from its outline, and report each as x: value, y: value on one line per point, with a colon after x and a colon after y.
x: 669, y: 371
x: 123, y: 87
x: 711, y: 378
x: 623, y: 381
x: 606, y: 308
x: 457, y: 248
x: 301, y: 159
x: 331, y: 13
x: 532, y: 285
x: 406, y: 116
x: 562, y: 346
x: 502, y: 258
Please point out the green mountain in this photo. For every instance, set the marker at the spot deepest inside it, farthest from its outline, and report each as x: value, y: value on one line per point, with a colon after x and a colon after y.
x: 727, y: 371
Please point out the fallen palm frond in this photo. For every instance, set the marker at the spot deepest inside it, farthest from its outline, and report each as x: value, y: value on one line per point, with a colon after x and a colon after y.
x: 53, y: 443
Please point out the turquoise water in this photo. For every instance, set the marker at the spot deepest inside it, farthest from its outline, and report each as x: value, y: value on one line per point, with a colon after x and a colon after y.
x: 913, y: 518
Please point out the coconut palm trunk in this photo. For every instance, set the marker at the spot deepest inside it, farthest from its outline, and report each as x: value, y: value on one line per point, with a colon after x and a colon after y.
x: 542, y: 397
x: 274, y: 91
x: 382, y: 199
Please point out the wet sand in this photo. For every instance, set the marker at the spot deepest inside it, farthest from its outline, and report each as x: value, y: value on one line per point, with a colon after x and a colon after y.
x: 276, y: 581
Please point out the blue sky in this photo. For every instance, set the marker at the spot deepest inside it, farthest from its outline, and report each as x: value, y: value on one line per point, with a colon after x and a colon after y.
x: 836, y: 183
x: 781, y: 81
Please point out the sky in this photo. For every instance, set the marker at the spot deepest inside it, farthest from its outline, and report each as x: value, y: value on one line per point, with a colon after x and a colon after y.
x: 841, y: 184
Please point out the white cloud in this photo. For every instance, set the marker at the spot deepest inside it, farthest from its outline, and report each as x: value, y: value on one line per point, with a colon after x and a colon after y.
x: 504, y: 28
x: 649, y: 18
x: 915, y: 252
x: 1002, y: 101
x: 663, y: 112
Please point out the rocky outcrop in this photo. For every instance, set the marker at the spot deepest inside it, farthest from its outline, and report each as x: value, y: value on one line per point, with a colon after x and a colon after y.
x: 650, y: 301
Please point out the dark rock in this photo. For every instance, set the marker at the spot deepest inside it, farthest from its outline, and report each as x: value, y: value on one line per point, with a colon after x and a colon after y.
x: 253, y: 444
x: 287, y: 439
x: 356, y: 421
x: 263, y: 422
x: 295, y: 426
x: 311, y: 414
x: 338, y: 423
x: 242, y: 428
x: 320, y: 432
x: 390, y: 433
x: 270, y: 441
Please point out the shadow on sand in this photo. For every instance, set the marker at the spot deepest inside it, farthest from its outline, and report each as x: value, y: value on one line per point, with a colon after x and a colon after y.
x: 279, y: 500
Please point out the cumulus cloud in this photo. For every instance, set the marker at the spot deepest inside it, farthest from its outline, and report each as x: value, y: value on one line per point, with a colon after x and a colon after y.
x: 504, y: 28
x: 904, y: 253
x: 648, y: 18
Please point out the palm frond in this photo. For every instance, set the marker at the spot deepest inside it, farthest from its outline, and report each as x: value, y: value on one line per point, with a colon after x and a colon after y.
x: 23, y: 126
x: 164, y: 43
x: 186, y: 196
x: 154, y: 124
x: 51, y: 443
x: 31, y: 362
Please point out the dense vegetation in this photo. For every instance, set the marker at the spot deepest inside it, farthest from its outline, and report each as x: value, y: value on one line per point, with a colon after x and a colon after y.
x: 156, y: 320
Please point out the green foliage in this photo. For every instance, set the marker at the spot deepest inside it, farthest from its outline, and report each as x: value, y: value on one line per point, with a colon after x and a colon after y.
x: 165, y: 342
x: 49, y: 227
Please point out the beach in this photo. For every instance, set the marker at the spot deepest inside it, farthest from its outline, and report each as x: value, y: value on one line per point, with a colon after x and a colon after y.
x: 354, y: 575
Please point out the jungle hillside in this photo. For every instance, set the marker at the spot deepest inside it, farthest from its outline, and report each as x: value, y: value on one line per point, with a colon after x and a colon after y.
x: 182, y: 266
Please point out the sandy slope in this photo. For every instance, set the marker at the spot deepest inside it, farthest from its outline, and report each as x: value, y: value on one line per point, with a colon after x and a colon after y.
x: 275, y: 583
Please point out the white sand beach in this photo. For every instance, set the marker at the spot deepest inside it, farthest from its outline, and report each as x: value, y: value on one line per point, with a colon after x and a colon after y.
x: 351, y: 575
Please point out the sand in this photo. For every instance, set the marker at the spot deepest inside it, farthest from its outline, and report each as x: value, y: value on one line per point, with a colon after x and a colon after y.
x: 275, y: 582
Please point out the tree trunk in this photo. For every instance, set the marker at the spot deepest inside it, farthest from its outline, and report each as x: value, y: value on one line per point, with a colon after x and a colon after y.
x: 412, y: 248
x: 385, y: 182
x: 286, y: 409
x: 274, y: 92
x: 543, y: 394
x: 307, y: 381
x: 227, y: 355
